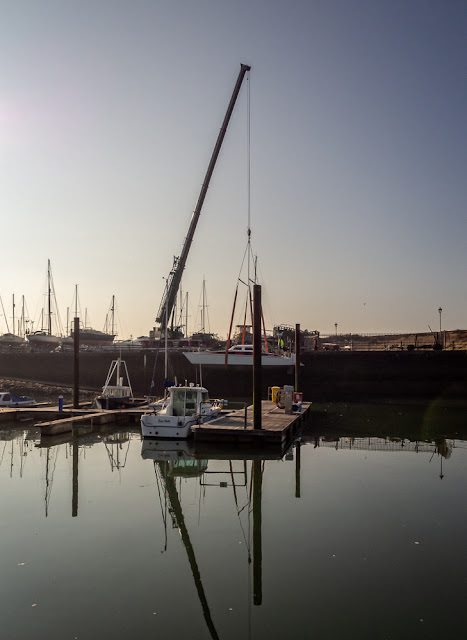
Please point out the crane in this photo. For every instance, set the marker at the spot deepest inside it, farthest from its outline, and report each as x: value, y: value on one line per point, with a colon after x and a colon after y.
x: 175, y: 275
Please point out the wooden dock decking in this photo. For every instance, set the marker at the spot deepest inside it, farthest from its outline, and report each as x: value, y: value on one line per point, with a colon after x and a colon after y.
x: 277, y: 426
x: 233, y: 427
x: 51, y: 421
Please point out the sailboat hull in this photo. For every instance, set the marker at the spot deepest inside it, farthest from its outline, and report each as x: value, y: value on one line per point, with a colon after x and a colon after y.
x: 44, y: 340
x: 239, y: 359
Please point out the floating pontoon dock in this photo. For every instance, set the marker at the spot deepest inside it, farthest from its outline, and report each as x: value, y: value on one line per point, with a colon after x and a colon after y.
x: 232, y: 426
x: 237, y: 426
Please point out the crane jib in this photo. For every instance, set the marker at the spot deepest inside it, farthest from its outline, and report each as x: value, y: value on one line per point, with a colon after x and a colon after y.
x: 175, y: 276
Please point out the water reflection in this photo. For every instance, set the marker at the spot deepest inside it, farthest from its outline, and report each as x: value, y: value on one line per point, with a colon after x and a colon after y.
x: 441, y: 447
x: 170, y: 463
x: 126, y: 530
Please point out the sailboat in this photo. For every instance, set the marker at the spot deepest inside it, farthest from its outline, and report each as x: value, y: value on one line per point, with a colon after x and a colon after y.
x: 11, y: 339
x: 239, y: 354
x: 89, y: 337
x: 44, y: 338
x: 242, y: 352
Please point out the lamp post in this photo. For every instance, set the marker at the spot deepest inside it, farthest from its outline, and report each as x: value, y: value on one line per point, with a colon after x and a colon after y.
x: 440, y: 311
x: 335, y: 324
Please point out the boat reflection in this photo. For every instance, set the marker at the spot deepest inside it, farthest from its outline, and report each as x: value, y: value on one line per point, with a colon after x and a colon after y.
x: 172, y: 459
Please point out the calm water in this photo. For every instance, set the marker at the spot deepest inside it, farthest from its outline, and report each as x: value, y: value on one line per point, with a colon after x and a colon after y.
x: 343, y: 537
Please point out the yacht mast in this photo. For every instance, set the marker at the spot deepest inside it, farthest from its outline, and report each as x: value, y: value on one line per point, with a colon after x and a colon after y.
x: 5, y: 316
x: 49, y: 314
x: 112, y: 309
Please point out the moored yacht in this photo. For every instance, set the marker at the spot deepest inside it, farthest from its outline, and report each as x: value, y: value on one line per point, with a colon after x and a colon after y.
x: 239, y: 354
x: 185, y: 407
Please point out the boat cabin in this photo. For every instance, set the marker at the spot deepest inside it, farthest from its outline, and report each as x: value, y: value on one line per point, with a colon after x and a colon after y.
x: 117, y: 391
x: 242, y: 348
x: 187, y: 401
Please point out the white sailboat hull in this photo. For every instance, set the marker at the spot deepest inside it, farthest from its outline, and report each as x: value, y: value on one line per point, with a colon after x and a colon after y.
x: 44, y: 340
x: 11, y: 340
x: 243, y: 359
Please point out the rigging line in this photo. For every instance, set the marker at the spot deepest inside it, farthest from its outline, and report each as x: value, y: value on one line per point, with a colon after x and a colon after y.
x: 248, y: 148
x: 3, y: 452
x: 126, y: 454
x: 243, y: 260
x: 153, y: 379
x: 4, y: 315
x: 247, y: 542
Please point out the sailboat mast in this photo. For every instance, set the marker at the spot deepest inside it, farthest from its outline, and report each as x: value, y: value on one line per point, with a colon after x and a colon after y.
x: 23, y: 319
x: 113, y: 315
x: 5, y: 316
x: 13, y: 313
x: 203, y: 310
x: 49, y: 316
x: 166, y: 329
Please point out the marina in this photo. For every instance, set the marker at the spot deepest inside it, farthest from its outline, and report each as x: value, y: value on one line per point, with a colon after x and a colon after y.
x: 249, y: 478
x: 231, y: 426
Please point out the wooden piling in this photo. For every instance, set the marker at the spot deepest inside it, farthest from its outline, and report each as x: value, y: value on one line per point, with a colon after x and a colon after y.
x: 76, y: 364
x: 257, y: 356
x: 297, y: 357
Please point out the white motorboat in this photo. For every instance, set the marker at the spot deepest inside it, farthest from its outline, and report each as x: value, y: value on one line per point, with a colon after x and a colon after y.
x: 8, y: 399
x: 239, y: 354
x: 186, y: 406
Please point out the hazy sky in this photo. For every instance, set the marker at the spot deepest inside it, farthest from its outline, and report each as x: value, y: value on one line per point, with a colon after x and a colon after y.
x: 109, y: 111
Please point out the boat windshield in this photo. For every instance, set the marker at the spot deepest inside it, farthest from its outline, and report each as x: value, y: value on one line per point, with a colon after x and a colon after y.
x: 191, y: 397
x: 184, y: 402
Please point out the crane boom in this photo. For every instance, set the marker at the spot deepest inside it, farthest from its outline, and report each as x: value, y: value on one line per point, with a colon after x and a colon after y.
x: 175, y: 276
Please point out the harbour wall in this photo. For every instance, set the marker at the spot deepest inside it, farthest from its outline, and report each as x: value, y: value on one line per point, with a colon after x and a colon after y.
x: 325, y: 376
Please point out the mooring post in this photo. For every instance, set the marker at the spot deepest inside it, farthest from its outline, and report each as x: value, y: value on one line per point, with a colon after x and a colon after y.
x: 297, y: 357
x: 76, y: 364
x: 257, y: 356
